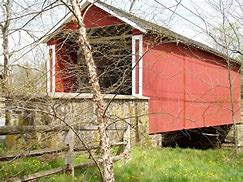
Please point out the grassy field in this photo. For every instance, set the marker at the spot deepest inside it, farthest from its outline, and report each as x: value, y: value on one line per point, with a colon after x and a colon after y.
x: 147, y: 164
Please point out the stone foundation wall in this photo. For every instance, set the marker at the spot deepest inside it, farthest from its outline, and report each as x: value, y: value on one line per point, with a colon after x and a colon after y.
x: 74, y: 109
x: 240, y: 135
x: 239, y: 132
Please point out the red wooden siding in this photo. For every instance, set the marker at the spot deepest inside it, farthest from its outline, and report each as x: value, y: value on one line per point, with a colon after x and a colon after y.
x: 66, y: 69
x: 188, y: 88
x: 95, y: 17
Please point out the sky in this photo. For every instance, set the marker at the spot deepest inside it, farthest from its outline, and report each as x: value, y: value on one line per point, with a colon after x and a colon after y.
x: 181, y: 19
x: 166, y: 13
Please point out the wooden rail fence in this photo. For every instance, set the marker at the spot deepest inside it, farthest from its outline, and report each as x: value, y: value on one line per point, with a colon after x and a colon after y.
x: 69, y: 148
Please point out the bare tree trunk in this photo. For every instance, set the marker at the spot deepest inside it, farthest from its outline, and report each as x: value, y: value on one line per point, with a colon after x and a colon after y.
x: 108, y: 174
x: 6, y: 53
x: 232, y: 106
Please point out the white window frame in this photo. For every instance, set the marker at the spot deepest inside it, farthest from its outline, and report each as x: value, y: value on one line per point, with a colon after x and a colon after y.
x: 51, y: 78
x: 48, y: 74
x: 140, y: 64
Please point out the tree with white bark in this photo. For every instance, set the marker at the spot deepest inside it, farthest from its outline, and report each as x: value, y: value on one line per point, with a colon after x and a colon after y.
x: 102, y: 119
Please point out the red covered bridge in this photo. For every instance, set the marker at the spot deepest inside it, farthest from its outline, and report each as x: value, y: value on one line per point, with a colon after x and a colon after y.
x: 187, y: 82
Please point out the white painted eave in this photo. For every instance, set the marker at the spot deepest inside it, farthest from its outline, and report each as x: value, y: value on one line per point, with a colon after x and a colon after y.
x: 67, y: 18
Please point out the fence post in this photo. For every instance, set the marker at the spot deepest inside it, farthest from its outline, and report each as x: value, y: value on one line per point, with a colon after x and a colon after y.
x: 69, y: 142
x: 2, y: 114
x: 127, y: 138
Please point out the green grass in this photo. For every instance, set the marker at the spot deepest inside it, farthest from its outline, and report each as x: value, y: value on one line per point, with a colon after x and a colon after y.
x: 25, y: 166
x: 2, y: 146
x: 181, y: 165
x: 147, y: 164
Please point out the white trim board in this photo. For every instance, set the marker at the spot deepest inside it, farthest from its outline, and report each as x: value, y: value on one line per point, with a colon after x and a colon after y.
x: 133, y: 66
x: 48, y: 74
x: 140, y: 64
x: 53, y: 89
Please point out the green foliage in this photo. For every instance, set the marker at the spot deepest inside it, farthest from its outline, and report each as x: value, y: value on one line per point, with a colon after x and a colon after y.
x: 147, y: 164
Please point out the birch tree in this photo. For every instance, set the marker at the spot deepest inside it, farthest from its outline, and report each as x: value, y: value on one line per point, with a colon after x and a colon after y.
x: 102, y: 119
x: 6, y: 11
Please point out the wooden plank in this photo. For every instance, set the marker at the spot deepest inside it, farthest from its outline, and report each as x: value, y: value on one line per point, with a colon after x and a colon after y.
x: 14, y: 130
x: 57, y: 170
x: 126, y: 148
x: 39, y: 174
x: 7, y: 156
x: 68, y: 160
x: 109, y: 39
